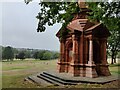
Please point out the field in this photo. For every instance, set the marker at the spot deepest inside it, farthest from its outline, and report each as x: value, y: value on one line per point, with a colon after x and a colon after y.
x: 14, y: 72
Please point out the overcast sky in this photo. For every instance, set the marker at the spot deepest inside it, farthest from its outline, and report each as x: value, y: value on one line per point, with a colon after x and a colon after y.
x: 19, y: 27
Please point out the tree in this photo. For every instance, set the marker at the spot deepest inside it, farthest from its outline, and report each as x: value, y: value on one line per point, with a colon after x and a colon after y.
x: 21, y: 55
x: 40, y: 54
x: 0, y: 52
x: 16, y: 56
x: 35, y: 55
x: 47, y: 55
x: 62, y: 12
x: 27, y: 53
x: 55, y: 55
x: 113, y: 41
x: 109, y: 14
x: 8, y: 53
x: 55, y: 12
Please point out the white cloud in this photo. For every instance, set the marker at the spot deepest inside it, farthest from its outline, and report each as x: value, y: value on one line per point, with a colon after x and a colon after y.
x: 19, y: 28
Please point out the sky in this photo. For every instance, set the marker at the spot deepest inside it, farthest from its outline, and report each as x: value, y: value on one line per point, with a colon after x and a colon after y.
x: 19, y: 26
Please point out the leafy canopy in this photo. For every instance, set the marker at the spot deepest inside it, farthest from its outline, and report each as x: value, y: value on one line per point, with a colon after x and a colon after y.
x: 62, y: 12
x: 55, y: 12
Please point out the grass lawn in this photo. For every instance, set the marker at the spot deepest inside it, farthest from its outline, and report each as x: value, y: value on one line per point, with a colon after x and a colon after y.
x: 14, y: 72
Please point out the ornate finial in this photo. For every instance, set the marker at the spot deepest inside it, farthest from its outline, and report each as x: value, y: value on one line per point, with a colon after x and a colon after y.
x: 82, y: 4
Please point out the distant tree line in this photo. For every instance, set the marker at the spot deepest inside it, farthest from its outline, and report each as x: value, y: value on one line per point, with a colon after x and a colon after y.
x: 45, y: 55
x: 10, y: 53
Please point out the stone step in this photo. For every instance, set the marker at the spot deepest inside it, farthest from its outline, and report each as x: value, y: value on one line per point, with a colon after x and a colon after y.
x: 70, y: 81
x: 37, y: 80
x: 57, y: 79
x: 48, y: 79
x: 53, y: 76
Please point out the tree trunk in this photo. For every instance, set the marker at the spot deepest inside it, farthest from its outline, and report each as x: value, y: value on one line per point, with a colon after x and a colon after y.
x: 112, y: 61
x: 112, y: 58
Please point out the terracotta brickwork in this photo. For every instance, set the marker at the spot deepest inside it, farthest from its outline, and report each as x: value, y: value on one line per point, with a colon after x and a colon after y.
x: 83, y: 49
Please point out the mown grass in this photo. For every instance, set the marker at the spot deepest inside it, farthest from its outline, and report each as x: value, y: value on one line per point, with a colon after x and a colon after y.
x: 114, y: 68
x: 14, y: 73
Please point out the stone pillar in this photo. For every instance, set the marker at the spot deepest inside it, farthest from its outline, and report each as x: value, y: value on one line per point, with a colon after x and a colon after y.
x: 67, y: 59
x: 81, y: 51
x: 87, y: 51
x: 90, y: 67
x: 75, y: 49
x: 61, y: 62
x: 90, y: 62
x: 103, y: 51
x: 74, y: 68
x: 104, y: 70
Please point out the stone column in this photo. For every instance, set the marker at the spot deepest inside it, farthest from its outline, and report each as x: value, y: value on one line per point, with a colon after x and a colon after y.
x: 61, y: 64
x: 90, y: 67
x: 66, y: 59
x: 90, y: 62
x: 62, y: 51
x: 81, y: 51
x: 103, y: 51
x: 86, y: 51
x: 74, y: 69
x: 75, y: 49
x: 104, y: 70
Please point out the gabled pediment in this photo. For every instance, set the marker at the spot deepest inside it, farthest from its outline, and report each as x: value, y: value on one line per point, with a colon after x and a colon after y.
x: 98, y: 30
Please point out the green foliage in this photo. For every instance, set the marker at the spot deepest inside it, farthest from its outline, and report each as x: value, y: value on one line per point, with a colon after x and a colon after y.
x: 55, y: 55
x: 27, y: 1
x: 0, y: 52
x: 35, y: 55
x: 62, y: 12
x: 27, y: 53
x: 21, y: 55
x: 46, y: 55
x: 40, y: 54
x: 56, y: 12
x: 118, y: 55
x: 8, y: 53
x: 109, y: 14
